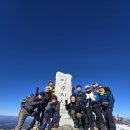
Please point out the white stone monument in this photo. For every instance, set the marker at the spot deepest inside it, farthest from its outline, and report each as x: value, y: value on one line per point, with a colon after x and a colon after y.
x: 63, y: 90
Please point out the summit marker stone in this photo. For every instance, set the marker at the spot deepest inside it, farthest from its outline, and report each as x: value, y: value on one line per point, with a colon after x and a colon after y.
x: 63, y: 90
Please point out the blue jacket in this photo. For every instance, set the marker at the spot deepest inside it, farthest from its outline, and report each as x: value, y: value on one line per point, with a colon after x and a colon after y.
x: 96, y: 98
x: 52, y: 107
x: 107, y: 97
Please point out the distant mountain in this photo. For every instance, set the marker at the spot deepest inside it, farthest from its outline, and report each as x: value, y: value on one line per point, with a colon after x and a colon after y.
x: 9, y: 122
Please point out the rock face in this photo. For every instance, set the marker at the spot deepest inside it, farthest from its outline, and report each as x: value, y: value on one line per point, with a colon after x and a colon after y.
x: 63, y: 90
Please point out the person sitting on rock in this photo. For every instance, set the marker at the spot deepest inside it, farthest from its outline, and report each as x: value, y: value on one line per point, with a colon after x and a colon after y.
x: 51, y: 111
x: 76, y: 110
x: 28, y: 107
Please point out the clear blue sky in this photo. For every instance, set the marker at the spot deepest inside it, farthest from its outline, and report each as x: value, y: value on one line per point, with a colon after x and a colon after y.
x: 89, y: 39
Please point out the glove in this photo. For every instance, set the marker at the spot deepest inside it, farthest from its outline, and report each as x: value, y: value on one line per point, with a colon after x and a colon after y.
x: 66, y: 102
x: 89, y: 99
x: 107, y: 110
x: 41, y: 102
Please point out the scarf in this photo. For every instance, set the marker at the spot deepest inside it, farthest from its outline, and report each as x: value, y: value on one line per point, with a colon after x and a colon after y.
x: 102, y: 92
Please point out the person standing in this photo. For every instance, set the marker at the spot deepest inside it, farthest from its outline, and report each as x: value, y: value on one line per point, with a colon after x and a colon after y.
x: 88, y: 108
x: 94, y: 86
x: 80, y: 96
x: 41, y: 108
x: 47, y: 98
x: 28, y: 108
x: 94, y: 101
x: 107, y: 104
x: 51, y: 87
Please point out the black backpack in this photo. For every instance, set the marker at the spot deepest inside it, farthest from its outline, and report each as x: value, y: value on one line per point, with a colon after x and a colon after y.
x: 109, y: 90
x: 26, y: 99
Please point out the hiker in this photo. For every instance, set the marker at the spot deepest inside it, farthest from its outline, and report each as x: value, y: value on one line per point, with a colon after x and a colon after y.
x: 107, y: 104
x: 88, y: 109
x: 51, y: 87
x: 80, y: 96
x: 94, y: 86
x: 94, y: 104
x: 76, y: 110
x: 28, y: 107
x: 51, y: 111
x: 41, y: 108
x: 47, y: 98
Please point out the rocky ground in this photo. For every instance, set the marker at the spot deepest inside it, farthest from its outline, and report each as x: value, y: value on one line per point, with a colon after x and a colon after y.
x: 122, y: 127
x: 69, y: 127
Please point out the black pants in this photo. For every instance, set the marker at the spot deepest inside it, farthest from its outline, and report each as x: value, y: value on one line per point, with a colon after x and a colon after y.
x: 99, y: 121
x: 42, y: 116
x: 89, y: 119
x: 39, y: 117
x: 78, y: 118
x: 109, y: 119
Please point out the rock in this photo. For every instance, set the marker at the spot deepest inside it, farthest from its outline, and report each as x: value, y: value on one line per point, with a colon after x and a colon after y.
x: 65, y: 127
x: 63, y: 90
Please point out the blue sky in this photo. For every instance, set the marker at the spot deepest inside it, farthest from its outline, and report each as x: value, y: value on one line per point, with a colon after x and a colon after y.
x: 88, y: 39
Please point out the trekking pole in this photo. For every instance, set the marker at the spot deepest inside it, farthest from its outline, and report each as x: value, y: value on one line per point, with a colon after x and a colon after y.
x: 37, y: 90
x: 105, y: 122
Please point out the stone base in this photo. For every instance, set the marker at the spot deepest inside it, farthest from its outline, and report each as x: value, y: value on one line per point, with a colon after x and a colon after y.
x: 65, y: 127
x: 64, y: 121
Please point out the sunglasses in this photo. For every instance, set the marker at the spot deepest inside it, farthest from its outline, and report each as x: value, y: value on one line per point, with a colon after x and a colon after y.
x: 100, y: 87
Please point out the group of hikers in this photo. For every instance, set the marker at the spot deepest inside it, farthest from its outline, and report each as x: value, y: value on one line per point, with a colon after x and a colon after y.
x: 89, y: 108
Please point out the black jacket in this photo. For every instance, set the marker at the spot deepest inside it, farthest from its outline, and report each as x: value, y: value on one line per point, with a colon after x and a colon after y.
x: 47, y: 98
x: 76, y: 106
x: 80, y: 96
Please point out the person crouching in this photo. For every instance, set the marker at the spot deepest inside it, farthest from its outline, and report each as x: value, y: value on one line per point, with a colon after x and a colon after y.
x: 51, y: 111
x: 76, y: 111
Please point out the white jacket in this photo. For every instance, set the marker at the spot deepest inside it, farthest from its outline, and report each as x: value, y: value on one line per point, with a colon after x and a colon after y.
x: 91, y: 96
